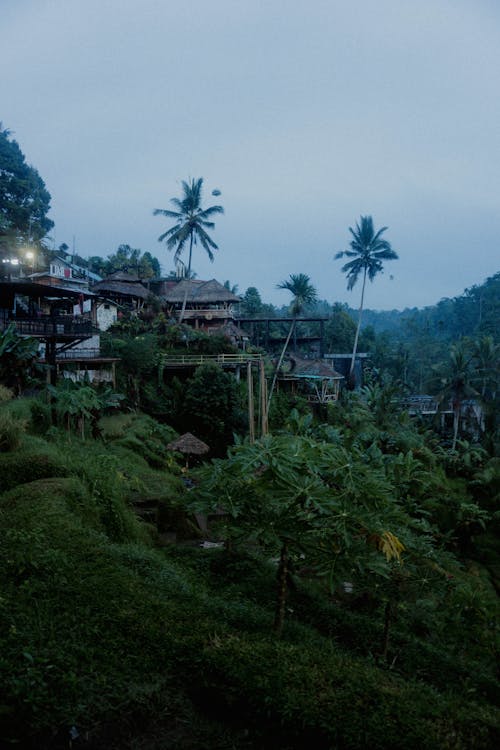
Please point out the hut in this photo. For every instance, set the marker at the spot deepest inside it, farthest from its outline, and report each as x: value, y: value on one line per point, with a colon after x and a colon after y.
x: 207, y: 304
x: 189, y: 445
x: 315, y: 378
x: 123, y: 288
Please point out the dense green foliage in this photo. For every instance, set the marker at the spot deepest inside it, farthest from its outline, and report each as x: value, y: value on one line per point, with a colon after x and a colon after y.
x: 18, y: 358
x: 388, y: 632
x: 128, y: 259
x: 24, y: 199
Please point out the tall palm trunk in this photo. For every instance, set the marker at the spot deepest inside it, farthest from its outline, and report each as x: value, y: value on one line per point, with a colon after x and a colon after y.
x: 184, y: 301
x: 280, y: 362
x: 356, y: 337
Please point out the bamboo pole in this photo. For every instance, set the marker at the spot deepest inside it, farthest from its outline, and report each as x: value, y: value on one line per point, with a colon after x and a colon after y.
x: 251, y: 415
x: 263, y: 400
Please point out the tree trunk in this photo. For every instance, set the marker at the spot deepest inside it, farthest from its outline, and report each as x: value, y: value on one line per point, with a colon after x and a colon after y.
x: 352, y: 380
x: 279, y: 616
x: 184, y: 301
x: 280, y: 362
x: 456, y: 423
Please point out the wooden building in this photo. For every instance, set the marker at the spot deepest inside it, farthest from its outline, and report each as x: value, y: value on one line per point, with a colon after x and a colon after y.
x: 207, y: 303
x: 123, y: 288
x: 313, y: 378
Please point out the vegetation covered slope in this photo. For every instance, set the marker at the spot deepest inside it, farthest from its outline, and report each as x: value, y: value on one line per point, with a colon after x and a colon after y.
x: 112, y: 640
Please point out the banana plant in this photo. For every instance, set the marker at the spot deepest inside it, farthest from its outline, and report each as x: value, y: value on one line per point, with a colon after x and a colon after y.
x: 18, y: 357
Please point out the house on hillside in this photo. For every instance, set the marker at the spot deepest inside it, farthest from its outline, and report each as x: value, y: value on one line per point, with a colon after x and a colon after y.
x: 64, y: 319
x: 208, y: 306
x: 61, y: 273
x: 124, y: 289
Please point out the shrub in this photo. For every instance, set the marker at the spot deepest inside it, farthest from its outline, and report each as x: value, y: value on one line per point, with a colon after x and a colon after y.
x: 22, y: 467
x: 41, y: 417
x: 5, y: 393
x: 11, y: 431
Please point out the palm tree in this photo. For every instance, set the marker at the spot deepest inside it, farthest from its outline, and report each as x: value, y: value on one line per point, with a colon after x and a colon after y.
x: 367, y: 252
x: 192, y: 221
x: 455, y: 383
x: 303, y: 294
x: 487, y: 360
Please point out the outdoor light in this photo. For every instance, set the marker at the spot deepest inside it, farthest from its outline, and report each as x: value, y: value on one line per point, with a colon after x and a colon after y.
x: 30, y: 255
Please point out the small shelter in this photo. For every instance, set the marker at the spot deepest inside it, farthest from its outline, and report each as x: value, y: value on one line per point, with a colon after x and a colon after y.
x: 314, y: 377
x: 189, y: 445
x: 123, y: 288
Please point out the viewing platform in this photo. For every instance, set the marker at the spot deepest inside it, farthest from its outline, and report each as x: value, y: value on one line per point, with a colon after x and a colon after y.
x: 194, y: 360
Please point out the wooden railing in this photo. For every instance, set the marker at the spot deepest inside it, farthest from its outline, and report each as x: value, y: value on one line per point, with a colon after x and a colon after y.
x: 65, y: 326
x: 207, y: 314
x: 179, y: 360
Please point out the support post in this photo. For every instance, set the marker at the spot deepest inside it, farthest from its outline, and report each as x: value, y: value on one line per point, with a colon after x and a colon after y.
x: 251, y: 415
x: 263, y: 400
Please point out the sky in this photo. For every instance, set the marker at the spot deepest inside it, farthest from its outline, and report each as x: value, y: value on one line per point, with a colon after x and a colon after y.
x: 304, y: 115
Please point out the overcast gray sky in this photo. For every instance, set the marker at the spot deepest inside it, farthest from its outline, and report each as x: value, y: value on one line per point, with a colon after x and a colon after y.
x: 303, y: 115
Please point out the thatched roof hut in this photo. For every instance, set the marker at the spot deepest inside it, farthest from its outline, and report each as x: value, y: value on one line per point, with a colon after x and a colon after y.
x: 198, y: 293
x: 188, y: 444
x: 122, y: 284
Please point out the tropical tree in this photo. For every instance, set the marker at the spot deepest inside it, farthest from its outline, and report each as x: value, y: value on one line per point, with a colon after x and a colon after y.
x: 486, y: 354
x: 18, y: 358
x: 24, y: 199
x: 367, y: 253
x: 126, y: 258
x: 252, y: 302
x: 77, y: 402
x: 308, y: 502
x: 233, y: 288
x: 455, y: 383
x: 303, y: 294
x: 191, y: 222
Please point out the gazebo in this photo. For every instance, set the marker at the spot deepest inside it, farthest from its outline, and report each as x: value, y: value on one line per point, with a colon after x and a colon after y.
x: 318, y: 378
x: 189, y: 445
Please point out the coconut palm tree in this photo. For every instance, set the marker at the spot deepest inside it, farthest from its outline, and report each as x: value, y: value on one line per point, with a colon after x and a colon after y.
x: 191, y: 222
x: 486, y: 355
x: 303, y: 294
x: 367, y: 253
x: 455, y: 383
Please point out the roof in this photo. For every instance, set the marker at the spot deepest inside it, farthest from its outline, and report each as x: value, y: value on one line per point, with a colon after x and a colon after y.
x: 230, y: 329
x: 316, y: 369
x: 199, y: 292
x: 125, y: 276
x: 188, y: 443
x: 123, y: 288
x: 48, y: 275
x: 31, y: 289
x: 81, y: 269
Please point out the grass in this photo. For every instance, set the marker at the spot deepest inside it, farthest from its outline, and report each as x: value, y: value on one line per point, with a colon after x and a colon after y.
x: 139, y: 647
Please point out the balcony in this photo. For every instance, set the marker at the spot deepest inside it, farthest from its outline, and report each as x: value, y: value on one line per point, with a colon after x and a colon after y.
x: 207, y: 314
x: 64, y: 327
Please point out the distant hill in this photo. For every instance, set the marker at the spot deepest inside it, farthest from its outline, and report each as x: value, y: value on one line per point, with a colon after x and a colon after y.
x: 475, y: 312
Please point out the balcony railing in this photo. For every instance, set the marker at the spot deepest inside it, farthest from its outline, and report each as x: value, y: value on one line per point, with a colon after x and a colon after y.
x: 65, y: 326
x: 193, y: 360
x: 207, y: 314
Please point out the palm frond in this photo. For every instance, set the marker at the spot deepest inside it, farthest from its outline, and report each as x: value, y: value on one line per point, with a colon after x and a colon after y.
x: 207, y: 212
x: 166, y: 212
